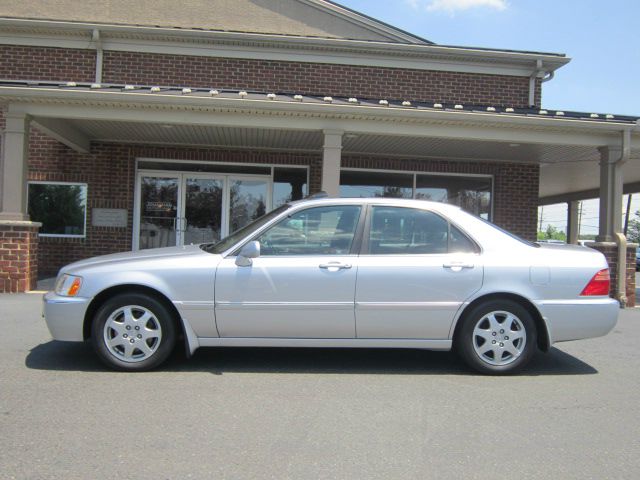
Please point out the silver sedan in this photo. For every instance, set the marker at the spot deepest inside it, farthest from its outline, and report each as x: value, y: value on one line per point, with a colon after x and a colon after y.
x: 372, y: 273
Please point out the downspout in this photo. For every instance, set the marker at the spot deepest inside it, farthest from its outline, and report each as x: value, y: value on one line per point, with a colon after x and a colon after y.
x: 532, y: 82
x: 546, y: 76
x: 620, y: 239
x: 95, y: 38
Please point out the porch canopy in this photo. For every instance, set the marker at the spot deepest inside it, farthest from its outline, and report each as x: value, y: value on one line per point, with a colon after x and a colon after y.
x: 577, y: 152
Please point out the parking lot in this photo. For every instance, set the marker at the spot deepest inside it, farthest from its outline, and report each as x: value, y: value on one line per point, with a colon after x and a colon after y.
x: 304, y: 413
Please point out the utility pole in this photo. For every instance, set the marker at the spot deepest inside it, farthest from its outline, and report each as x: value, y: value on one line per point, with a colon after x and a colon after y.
x: 579, y: 216
x: 626, y: 217
x: 541, y: 215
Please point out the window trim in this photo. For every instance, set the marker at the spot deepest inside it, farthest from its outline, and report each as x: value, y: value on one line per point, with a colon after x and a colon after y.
x: 86, y: 207
x: 364, y: 251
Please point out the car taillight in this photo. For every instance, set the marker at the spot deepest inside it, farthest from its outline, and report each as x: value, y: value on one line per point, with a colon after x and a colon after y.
x: 599, y: 284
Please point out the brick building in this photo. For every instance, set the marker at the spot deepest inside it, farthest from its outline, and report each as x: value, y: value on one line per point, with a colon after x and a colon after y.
x: 127, y: 127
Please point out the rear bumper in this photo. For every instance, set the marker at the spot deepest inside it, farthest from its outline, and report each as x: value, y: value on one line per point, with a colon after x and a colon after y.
x: 65, y: 316
x: 578, y: 319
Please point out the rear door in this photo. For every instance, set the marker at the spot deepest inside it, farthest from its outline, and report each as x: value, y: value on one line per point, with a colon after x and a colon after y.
x: 415, y: 271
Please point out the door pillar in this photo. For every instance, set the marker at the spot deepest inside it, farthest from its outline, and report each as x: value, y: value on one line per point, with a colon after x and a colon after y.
x: 331, y: 158
x: 611, y: 181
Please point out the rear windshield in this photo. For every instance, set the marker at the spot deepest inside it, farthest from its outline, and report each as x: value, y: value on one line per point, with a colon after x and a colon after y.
x: 512, y: 235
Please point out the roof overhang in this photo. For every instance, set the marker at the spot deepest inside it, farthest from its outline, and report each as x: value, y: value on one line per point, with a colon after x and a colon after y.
x: 566, y: 148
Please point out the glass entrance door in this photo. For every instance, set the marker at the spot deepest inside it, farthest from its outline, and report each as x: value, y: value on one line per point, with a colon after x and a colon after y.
x: 180, y: 208
x: 158, y: 212
x: 203, y: 201
x: 248, y: 200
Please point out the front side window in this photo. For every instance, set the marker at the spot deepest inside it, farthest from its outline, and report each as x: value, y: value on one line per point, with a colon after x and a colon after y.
x: 314, y: 231
x: 409, y: 231
x: 60, y: 207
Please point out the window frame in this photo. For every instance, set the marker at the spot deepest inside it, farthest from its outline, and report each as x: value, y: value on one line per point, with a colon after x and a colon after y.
x: 86, y: 207
x: 356, y: 244
x: 367, y: 233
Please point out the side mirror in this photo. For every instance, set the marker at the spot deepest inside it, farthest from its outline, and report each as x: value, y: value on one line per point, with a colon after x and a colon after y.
x: 249, y: 251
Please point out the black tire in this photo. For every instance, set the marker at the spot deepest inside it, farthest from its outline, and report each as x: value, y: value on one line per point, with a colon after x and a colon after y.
x: 469, y: 345
x: 137, y: 308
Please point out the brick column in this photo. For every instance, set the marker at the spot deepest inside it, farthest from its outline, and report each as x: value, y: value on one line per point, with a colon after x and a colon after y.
x: 610, y: 251
x: 18, y: 256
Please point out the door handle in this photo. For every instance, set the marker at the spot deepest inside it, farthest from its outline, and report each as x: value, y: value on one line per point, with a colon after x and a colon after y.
x: 335, y: 266
x: 457, y: 266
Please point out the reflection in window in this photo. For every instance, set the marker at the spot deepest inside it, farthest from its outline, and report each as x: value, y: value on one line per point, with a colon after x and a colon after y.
x: 289, y: 184
x: 314, y: 231
x: 375, y: 184
x: 472, y: 194
x: 409, y: 231
x: 247, y: 202
x: 60, y: 207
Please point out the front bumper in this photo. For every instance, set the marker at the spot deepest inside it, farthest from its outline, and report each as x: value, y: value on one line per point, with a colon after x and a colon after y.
x: 578, y: 319
x: 65, y: 316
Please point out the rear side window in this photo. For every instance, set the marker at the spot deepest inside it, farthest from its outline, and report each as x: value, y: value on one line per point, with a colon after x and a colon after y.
x: 410, y: 231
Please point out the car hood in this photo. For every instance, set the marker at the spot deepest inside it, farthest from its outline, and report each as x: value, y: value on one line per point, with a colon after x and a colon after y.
x: 141, y: 255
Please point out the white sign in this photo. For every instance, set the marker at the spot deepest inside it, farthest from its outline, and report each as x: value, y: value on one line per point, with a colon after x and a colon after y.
x: 109, y: 217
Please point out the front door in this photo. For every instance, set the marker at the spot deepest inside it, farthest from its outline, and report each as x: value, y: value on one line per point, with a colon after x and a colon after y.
x: 301, y: 286
x: 158, y: 210
x: 180, y: 208
x: 415, y: 272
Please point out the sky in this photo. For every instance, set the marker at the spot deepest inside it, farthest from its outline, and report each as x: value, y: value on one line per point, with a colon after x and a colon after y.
x: 602, y: 37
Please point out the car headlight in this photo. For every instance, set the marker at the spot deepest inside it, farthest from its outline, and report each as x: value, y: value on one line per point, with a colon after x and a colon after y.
x: 68, y: 285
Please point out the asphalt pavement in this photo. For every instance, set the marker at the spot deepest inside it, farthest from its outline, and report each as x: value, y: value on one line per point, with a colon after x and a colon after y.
x: 315, y: 414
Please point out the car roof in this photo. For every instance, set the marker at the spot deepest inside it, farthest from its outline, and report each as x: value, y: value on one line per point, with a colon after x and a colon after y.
x: 400, y: 202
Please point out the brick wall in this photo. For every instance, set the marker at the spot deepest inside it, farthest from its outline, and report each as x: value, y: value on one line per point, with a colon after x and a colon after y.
x: 18, y: 256
x: 515, y: 186
x: 43, y: 63
x: 315, y: 78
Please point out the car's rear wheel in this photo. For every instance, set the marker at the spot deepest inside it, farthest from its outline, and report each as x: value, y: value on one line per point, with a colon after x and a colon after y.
x: 497, y: 337
x: 133, y: 332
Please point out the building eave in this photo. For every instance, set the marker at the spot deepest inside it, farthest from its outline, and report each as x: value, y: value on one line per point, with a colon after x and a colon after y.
x: 306, y: 49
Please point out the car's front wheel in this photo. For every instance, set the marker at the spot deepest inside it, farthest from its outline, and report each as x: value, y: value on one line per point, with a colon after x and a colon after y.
x: 497, y: 337
x: 133, y: 332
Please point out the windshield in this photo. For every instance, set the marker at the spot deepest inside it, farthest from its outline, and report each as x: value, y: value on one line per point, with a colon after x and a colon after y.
x: 245, y: 231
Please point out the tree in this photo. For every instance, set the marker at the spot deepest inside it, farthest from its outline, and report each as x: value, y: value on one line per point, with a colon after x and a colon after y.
x: 552, y: 233
x: 633, y: 230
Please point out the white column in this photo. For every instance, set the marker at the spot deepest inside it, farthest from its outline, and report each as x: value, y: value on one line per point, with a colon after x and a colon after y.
x: 572, y: 222
x: 611, y: 182
x: 13, y: 167
x: 331, y: 155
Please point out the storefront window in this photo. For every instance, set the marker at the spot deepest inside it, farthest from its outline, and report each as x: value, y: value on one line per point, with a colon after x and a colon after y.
x: 60, y: 207
x: 472, y: 194
x: 375, y: 184
x: 289, y: 184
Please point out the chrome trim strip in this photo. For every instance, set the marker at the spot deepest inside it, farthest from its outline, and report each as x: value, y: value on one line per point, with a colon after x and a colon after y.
x: 279, y: 305
x: 407, y: 305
